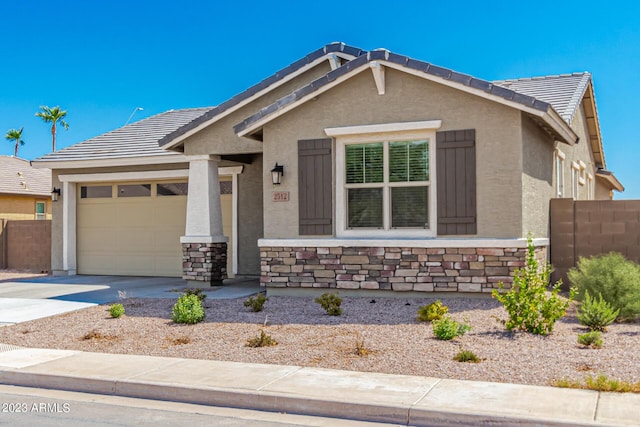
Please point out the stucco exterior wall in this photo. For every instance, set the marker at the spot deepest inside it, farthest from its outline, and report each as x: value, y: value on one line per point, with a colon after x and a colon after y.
x: 407, y: 98
x: 579, y: 152
x: 537, y: 178
x: 22, y: 207
x: 220, y: 138
x: 250, y: 227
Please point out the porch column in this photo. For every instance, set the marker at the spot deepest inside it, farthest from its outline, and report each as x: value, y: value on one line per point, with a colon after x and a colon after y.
x: 204, y: 246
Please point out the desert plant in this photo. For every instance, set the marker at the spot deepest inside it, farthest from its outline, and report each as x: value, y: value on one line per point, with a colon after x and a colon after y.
x: 431, y: 312
x: 256, y: 304
x: 116, y: 310
x: 448, y: 328
x: 528, y: 304
x: 600, y: 383
x: 361, y: 348
x: 330, y: 303
x: 188, y: 309
x: 591, y: 339
x: 612, y: 276
x: 263, y: 340
x: 197, y: 292
x: 596, y: 314
x: 466, y: 356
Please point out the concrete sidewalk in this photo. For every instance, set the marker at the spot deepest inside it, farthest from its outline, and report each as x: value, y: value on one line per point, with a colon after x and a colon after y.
x: 416, y: 401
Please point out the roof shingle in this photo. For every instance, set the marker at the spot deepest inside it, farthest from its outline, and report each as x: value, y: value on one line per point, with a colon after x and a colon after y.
x: 17, y: 176
x: 135, y: 140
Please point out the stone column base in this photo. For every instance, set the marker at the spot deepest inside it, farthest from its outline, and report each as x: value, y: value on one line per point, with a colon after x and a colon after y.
x: 204, y: 262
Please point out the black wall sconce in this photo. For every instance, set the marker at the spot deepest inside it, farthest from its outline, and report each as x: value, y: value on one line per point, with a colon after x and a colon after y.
x: 55, y: 193
x: 277, y: 173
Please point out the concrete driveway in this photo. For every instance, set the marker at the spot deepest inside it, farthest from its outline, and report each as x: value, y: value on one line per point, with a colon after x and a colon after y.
x: 27, y: 299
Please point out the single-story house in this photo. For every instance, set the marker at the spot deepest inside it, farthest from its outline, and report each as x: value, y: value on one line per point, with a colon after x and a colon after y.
x: 347, y: 169
x: 25, y: 192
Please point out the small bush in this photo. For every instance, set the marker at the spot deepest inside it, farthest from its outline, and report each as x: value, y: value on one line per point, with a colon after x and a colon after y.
x: 466, y: 356
x: 330, y: 303
x: 197, y: 292
x: 596, y: 314
x: 188, y: 309
x: 528, y: 304
x: 256, y: 304
x: 591, y: 339
x: 431, y: 312
x: 116, y: 310
x: 263, y: 340
x: 448, y: 328
x: 612, y: 276
x: 361, y: 348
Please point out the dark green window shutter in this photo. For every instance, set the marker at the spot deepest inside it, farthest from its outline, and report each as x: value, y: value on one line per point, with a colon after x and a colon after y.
x: 315, y: 209
x: 456, y: 169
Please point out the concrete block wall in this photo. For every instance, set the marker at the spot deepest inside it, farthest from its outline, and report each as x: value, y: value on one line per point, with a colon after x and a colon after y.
x: 28, y: 245
x: 592, y: 227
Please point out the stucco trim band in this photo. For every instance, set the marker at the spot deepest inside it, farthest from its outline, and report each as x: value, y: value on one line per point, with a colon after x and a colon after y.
x: 407, y: 243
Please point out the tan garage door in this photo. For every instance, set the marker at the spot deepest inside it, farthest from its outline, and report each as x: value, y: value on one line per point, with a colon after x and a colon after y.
x: 134, y: 228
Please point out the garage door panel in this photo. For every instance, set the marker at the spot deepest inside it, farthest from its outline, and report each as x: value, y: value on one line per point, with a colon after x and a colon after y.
x: 97, y: 214
x: 98, y: 239
x: 133, y: 240
x: 167, y: 211
x: 135, y: 264
x: 138, y: 214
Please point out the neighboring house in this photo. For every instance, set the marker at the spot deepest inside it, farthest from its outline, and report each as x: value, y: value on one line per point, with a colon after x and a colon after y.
x: 25, y: 192
x: 396, y: 174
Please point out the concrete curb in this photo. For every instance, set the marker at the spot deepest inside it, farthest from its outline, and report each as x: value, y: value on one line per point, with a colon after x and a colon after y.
x: 329, y: 393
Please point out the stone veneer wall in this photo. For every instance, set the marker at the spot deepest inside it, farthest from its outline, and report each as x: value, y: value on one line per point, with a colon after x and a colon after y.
x: 393, y: 268
x: 205, y: 262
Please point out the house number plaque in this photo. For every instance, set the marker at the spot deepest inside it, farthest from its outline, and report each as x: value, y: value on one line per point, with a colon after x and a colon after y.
x: 280, y: 196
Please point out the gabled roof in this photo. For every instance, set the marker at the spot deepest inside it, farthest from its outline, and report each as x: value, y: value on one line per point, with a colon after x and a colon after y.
x: 564, y: 92
x: 134, y: 141
x: 18, y: 177
x: 542, y: 111
x: 330, y: 51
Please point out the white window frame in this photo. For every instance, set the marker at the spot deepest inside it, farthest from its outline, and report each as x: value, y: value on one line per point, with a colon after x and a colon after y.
x: 583, y: 167
x: 575, y: 180
x: 590, y: 194
x: 560, y: 181
x: 413, y: 131
x: 41, y: 216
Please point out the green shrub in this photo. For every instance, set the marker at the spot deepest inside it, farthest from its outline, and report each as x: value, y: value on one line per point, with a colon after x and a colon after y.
x: 448, y: 328
x: 614, y: 277
x: 256, y: 304
x: 188, y: 309
x: 528, y: 304
x: 330, y: 303
x: 591, y: 339
x: 431, y: 312
x: 116, y: 310
x: 263, y: 340
x: 596, y: 314
x: 197, y: 292
x: 466, y: 356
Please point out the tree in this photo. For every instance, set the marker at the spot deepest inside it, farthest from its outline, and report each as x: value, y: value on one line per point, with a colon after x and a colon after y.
x: 16, y: 136
x: 54, y: 116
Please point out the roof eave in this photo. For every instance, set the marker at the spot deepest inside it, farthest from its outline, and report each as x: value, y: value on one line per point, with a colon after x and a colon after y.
x: 164, y: 159
x: 172, y: 142
x: 539, y: 109
x: 609, y: 177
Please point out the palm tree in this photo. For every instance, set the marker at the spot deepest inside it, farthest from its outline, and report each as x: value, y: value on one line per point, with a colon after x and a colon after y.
x: 54, y: 116
x: 15, y: 135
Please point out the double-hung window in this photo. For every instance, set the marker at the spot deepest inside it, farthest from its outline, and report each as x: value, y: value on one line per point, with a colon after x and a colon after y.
x: 385, y: 184
x: 559, y: 155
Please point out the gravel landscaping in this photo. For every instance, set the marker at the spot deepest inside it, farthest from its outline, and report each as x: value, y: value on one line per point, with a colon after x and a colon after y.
x: 306, y: 336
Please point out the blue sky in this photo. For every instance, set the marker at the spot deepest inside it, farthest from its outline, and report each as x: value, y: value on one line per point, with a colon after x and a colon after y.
x: 101, y: 60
